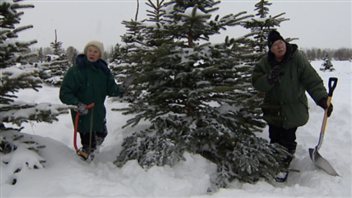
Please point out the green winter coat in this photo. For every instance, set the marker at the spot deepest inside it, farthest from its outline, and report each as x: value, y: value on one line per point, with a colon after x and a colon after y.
x: 285, y: 103
x: 88, y: 82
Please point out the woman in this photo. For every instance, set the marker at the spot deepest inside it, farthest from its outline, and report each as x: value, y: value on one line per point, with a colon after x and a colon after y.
x: 89, y: 81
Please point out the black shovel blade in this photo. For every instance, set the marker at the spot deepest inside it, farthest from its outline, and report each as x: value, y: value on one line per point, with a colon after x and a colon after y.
x: 322, y: 163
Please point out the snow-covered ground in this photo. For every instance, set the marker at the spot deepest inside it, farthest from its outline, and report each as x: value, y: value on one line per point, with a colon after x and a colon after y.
x: 64, y: 175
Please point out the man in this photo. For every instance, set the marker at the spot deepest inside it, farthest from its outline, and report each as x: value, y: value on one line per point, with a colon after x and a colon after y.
x: 284, y: 75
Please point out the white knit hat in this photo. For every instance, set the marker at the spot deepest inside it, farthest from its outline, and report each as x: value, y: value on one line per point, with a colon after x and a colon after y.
x: 96, y: 44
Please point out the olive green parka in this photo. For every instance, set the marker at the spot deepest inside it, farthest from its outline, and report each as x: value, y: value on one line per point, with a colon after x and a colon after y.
x: 87, y: 82
x: 285, y: 103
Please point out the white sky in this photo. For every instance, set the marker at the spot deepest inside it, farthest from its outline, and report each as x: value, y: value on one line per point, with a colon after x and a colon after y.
x: 317, y: 23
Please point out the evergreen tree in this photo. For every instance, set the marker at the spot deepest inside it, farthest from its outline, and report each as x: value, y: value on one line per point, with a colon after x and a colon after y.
x: 52, y: 71
x: 196, y: 95
x: 57, y: 46
x: 261, y: 24
x: 116, y: 55
x: 126, y: 57
x: 17, y: 74
x: 327, y: 64
x: 12, y: 51
x: 119, y: 66
x: 40, y: 55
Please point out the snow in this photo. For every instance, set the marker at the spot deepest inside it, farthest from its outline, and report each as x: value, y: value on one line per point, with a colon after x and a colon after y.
x: 14, y: 72
x: 64, y: 175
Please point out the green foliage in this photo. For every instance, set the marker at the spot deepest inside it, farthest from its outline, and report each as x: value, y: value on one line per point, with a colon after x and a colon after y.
x: 16, y: 72
x: 197, y: 95
x: 13, y: 146
x: 261, y: 24
x: 327, y: 64
x: 52, y: 71
x: 57, y: 46
x: 14, y: 52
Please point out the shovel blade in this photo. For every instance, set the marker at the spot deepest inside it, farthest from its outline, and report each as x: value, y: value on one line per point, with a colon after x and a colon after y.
x: 322, y: 163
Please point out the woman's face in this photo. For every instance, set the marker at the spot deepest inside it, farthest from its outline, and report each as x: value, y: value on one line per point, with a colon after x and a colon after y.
x: 93, y: 53
x: 279, y: 49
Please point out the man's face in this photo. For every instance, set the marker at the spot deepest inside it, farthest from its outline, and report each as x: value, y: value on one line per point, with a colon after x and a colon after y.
x: 279, y: 49
x: 93, y: 53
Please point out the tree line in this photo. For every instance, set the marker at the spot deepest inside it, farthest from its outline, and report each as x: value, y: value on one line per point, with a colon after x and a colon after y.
x: 340, y: 54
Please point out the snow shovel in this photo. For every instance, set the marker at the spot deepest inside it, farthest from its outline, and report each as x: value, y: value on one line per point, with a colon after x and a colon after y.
x: 317, y: 159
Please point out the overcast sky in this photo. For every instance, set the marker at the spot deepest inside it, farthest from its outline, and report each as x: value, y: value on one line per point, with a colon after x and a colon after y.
x: 317, y: 23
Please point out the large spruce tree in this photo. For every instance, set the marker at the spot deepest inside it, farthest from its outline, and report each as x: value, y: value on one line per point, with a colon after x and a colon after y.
x: 197, y: 95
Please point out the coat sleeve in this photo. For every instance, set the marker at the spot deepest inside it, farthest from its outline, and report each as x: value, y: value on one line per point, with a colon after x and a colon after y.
x: 69, y: 87
x: 259, y: 78
x: 311, y: 80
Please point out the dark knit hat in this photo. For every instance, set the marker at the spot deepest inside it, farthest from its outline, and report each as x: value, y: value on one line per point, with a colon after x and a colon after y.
x: 273, y: 36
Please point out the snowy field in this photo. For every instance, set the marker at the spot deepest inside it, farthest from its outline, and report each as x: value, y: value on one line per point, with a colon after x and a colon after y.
x: 65, y: 175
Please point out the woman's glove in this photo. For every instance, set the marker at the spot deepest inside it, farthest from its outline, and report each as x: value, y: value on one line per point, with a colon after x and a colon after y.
x: 82, y: 108
x: 323, y: 103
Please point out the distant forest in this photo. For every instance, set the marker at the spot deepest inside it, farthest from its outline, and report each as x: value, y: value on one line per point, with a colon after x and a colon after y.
x: 340, y: 54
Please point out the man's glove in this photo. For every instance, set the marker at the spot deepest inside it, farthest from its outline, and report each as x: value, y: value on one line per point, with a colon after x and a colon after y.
x: 323, y: 103
x: 82, y: 108
x: 273, y: 76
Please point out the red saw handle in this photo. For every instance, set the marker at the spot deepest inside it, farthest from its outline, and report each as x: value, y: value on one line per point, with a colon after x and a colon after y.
x: 90, y: 106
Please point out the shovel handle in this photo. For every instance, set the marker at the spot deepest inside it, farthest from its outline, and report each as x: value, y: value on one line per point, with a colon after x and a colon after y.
x: 332, y: 85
